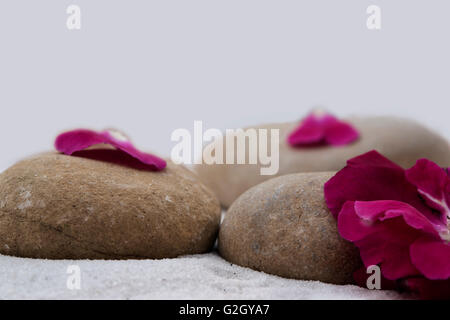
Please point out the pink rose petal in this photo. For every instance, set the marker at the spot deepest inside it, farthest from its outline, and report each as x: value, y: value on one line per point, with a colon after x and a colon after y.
x: 397, y: 219
x: 433, y: 184
x: 387, y: 249
x: 431, y: 257
x: 382, y: 237
x: 361, y: 277
x: 80, y: 139
x: 429, y: 289
x: 322, y: 128
x: 369, y: 177
x: 340, y: 133
x: 388, y: 209
x: 351, y: 226
x: 310, y: 131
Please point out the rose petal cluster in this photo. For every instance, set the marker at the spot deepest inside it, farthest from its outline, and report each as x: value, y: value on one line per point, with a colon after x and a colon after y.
x: 399, y: 220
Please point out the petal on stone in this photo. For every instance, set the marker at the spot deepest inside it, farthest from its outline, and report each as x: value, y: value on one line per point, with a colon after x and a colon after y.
x: 80, y: 139
x: 310, y: 131
x: 340, y: 133
x: 370, y: 177
x: 320, y: 128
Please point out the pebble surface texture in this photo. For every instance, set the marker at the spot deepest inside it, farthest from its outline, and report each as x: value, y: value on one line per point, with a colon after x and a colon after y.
x: 71, y: 207
x: 283, y: 227
x: 402, y: 141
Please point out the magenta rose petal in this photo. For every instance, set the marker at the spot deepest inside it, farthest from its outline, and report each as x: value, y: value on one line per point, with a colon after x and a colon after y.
x: 396, y: 262
x: 370, y: 177
x: 380, y: 242
x: 310, y: 131
x: 429, y: 289
x: 320, y: 128
x: 80, y: 139
x: 431, y: 257
x: 351, y: 226
x: 388, y: 246
x: 388, y: 209
x: 433, y: 183
x: 340, y: 133
x: 428, y: 177
x: 395, y: 225
x: 76, y: 140
x: 361, y: 277
x: 127, y: 147
x: 397, y: 218
x: 362, y: 223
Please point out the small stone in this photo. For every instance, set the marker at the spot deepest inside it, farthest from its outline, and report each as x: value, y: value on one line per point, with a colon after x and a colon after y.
x: 402, y: 141
x: 71, y: 207
x: 283, y: 227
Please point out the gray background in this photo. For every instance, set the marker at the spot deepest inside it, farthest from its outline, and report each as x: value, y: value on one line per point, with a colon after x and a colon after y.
x: 149, y: 67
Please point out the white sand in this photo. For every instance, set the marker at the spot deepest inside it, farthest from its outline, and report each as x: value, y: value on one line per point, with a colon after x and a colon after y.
x: 204, y: 276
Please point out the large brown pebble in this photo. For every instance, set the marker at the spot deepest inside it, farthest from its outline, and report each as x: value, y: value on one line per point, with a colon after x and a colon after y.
x: 283, y: 227
x: 69, y: 207
x: 401, y: 140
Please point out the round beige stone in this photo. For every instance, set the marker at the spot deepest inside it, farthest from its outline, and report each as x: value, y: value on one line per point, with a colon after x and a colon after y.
x: 71, y: 207
x: 283, y: 227
x: 401, y: 140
